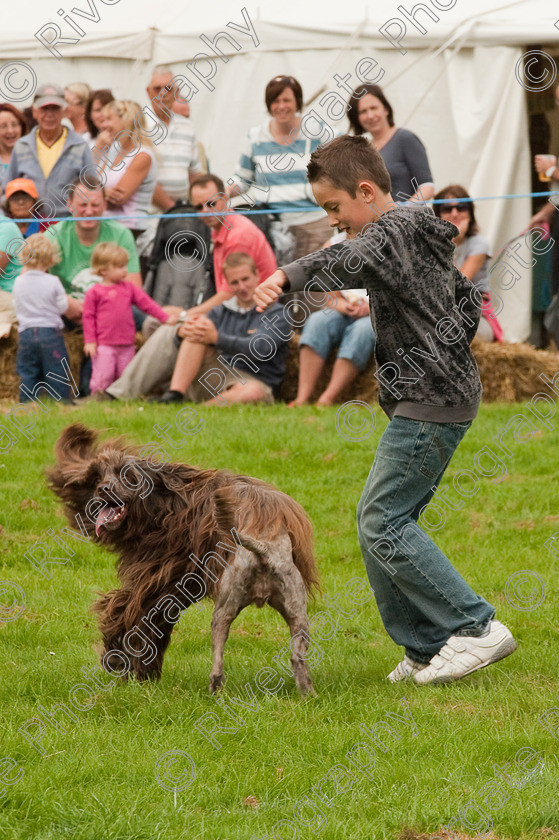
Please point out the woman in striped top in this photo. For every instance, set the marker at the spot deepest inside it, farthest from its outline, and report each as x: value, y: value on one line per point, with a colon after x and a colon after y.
x: 274, y: 161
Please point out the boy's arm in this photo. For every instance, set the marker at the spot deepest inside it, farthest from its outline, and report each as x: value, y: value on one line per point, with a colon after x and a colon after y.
x: 61, y: 297
x: 353, y: 264
x: 210, y: 303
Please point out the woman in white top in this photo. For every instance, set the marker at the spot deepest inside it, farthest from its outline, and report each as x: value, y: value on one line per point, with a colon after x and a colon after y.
x: 130, y: 164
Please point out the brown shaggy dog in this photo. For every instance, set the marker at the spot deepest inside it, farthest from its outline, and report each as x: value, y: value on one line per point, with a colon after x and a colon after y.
x: 182, y: 533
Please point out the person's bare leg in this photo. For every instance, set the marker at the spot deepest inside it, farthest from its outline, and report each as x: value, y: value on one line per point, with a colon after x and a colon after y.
x: 310, y: 368
x: 189, y: 362
x: 251, y: 391
x: 343, y: 373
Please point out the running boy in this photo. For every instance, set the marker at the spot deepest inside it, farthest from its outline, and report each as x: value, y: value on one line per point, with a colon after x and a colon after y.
x: 108, y: 321
x: 424, y: 314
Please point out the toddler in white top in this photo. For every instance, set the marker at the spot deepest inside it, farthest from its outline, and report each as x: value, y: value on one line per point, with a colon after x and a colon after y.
x: 40, y: 301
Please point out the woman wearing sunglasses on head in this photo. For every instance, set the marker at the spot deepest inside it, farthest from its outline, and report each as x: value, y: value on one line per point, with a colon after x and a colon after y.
x: 471, y: 254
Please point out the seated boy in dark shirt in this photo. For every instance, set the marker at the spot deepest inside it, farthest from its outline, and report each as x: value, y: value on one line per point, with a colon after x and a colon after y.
x: 424, y: 313
x: 233, y: 354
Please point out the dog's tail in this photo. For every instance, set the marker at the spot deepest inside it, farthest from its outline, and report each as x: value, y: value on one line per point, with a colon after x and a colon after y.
x: 258, y: 509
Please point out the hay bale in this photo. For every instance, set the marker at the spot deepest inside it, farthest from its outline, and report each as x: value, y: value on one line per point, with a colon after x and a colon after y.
x: 9, y: 380
x: 509, y: 372
x: 74, y: 345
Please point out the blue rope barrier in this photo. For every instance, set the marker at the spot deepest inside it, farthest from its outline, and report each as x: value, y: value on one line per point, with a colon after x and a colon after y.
x: 278, y: 209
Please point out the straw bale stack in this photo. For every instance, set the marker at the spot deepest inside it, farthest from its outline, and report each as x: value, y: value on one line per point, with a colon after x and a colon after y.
x: 509, y: 372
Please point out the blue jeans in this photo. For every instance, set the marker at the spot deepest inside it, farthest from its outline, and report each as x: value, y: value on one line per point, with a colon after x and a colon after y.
x: 327, y: 329
x: 421, y: 597
x: 40, y: 351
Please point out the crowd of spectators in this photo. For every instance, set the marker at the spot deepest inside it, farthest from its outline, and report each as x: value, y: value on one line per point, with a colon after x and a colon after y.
x: 79, y: 155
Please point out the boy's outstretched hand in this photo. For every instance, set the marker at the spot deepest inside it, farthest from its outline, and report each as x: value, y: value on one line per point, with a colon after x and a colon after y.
x: 269, y: 291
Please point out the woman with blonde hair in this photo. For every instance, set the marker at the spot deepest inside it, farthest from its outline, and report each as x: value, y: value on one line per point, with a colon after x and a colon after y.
x: 130, y: 165
x: 76, y: 96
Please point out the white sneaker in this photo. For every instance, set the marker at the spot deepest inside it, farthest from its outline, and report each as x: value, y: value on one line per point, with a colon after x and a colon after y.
x: 462, y: 655
x: 405, y: 669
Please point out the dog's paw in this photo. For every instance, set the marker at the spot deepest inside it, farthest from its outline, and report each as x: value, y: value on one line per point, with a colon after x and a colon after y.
x: 216, y: 682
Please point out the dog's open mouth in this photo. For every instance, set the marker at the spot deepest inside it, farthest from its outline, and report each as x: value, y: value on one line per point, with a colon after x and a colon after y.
x: 110, y: 513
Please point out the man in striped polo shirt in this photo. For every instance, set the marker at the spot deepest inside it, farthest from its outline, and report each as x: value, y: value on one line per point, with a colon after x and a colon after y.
x: 178, y: 161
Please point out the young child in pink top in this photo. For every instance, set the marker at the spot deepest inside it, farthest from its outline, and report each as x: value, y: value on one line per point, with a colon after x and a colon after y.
x: 108, y: 323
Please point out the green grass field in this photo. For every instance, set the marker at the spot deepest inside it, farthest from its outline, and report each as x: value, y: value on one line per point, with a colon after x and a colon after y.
x: 473, y: 754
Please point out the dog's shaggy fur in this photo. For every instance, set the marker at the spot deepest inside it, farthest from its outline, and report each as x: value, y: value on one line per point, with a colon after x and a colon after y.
x: 165, y: 522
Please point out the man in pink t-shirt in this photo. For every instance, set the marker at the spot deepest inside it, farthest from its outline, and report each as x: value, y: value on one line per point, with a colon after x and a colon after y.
x: 230, y: 234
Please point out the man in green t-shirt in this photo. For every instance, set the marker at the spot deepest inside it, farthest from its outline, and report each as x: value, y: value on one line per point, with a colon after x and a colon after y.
x: 76, y: 240
x: 10, y: 245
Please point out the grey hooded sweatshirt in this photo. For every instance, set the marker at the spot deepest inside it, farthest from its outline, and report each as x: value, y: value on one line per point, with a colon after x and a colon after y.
x: 424, y: 311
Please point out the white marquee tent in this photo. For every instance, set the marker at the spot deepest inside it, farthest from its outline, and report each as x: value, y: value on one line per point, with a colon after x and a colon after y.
x: 458, y: 83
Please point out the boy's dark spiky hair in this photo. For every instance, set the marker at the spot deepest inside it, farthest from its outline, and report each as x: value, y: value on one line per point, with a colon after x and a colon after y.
x: 346, y: 161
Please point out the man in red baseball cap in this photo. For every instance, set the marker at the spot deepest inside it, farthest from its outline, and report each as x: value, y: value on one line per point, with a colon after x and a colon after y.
x: 51, y: 155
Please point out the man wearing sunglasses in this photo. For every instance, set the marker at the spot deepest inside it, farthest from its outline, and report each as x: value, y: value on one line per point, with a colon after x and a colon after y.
x: 230, y: 234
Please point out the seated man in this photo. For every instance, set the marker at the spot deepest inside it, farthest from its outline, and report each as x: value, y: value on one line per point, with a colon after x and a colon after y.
x: 230, y: 234
x: 153, y: 364
x: 234, y: 348
x: 76, y: 241
x: 348, y: 327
